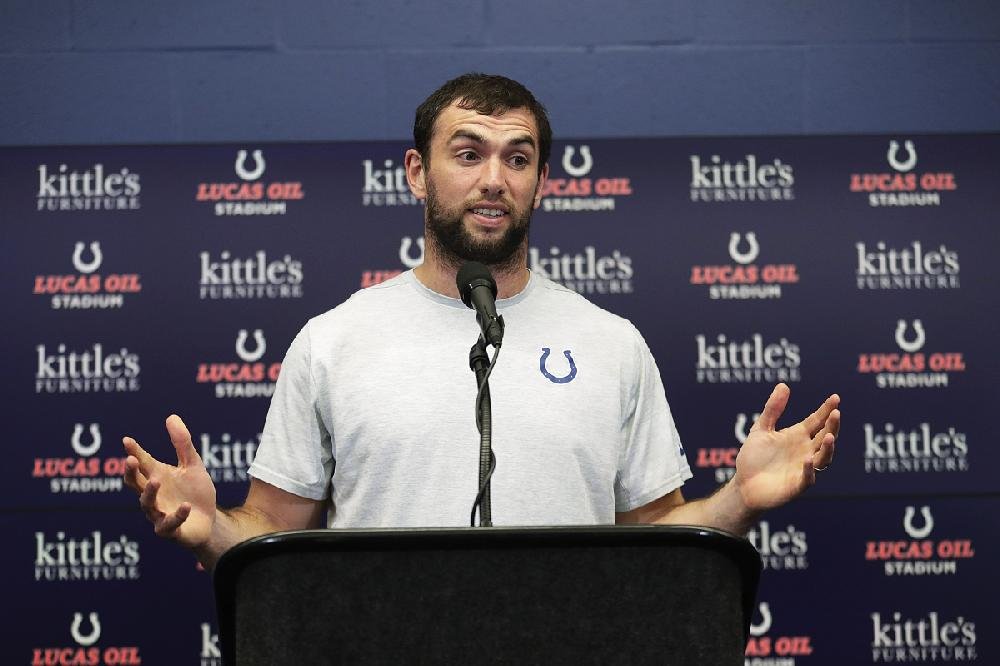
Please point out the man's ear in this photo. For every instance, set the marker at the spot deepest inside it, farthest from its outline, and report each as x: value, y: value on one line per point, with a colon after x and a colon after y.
x: 415, y: 173
x: 540, y: 187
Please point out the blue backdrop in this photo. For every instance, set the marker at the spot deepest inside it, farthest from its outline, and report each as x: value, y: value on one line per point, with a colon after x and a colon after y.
x: 150, y: 280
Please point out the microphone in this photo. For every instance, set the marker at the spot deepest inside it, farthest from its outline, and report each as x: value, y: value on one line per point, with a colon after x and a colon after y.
x: 479, y: 292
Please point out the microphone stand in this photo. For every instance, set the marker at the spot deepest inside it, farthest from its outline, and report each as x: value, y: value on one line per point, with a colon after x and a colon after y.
x: 479, y: 362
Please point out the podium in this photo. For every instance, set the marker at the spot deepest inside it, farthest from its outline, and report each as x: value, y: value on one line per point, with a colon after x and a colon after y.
x: 632, y: 594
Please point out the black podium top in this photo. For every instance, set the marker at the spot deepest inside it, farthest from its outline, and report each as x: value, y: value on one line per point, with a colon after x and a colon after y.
x: 609, y: 594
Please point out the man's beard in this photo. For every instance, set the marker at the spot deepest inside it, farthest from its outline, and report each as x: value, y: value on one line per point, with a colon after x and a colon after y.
x: 456, y: 245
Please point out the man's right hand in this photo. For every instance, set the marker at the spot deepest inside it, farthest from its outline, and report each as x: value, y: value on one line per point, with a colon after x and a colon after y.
x: 178, y: 500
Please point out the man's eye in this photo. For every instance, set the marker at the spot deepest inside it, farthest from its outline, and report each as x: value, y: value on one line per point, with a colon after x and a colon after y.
x: 519, y: 160
x: 468, y: 156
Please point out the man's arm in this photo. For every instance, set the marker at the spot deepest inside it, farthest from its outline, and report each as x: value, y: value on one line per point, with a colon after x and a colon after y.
x: 180, y: 501
x: 720, y: 510
x: 772, y: 467
x: 266, y: 509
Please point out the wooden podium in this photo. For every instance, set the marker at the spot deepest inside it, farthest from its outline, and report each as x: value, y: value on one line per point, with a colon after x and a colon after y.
x: 564, y: 595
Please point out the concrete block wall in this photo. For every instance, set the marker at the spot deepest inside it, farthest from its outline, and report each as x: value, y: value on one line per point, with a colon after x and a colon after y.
x: 115, y: 71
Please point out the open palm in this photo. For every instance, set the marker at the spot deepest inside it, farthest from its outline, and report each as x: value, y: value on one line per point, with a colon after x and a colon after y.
x: 179, y: 500
x: 774, y: 466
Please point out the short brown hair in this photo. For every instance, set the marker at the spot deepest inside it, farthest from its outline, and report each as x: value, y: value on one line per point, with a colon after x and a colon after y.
x: 488, y: 94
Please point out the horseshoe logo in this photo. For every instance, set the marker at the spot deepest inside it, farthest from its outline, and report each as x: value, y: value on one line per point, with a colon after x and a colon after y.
x: 95, y: 436
x: 740, y: 430
x: 908, y: 345
x: 743, y: 257
x: 241, y: 345
x: 585, y: 166
x: 911, y: 159
x: 241, y: 170
x: 765, y: 625
x: 914, y: 532
x: 404, y: 252
x: 552, y: 378
x: 95, y: 631
x: 91, y: 266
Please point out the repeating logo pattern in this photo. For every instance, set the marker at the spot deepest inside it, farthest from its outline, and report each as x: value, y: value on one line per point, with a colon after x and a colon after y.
x: 850, y: 264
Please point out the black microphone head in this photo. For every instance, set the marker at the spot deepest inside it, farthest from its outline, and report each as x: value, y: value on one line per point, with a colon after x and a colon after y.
x: 473, y: 274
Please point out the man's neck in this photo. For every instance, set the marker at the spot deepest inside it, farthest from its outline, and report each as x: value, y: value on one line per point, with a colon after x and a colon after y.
x: 439, y: 276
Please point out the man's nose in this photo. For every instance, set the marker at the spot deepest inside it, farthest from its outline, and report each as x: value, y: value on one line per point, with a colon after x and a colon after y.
x: 492, y: 177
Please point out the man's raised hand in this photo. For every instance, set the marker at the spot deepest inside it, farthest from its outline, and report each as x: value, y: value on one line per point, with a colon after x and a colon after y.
x: 774, y: 466
x: 179, y: 500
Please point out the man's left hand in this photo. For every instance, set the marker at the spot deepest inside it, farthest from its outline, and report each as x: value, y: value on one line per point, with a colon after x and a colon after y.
x: 774, y: 466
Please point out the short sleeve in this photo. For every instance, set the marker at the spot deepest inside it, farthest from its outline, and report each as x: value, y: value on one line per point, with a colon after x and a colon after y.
x: 652, y: 462
x: 295, y: 452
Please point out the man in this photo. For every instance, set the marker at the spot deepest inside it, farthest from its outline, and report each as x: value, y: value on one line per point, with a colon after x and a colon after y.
x: 372, y: 424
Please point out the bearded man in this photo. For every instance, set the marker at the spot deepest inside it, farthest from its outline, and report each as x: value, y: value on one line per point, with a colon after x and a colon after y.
x: 367, y: 429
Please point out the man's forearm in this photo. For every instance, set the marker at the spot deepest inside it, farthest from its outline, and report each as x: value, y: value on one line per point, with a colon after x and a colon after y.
x: 233, y: 526
x: 724, y: 509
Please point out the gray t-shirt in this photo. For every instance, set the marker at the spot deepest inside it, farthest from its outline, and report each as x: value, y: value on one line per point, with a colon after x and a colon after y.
x: 374, y: 408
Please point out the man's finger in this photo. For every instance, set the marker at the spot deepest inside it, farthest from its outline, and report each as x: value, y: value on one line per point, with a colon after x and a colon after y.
x: 830, y: 428
x: 824, y: 454
x: 169, y: 524
x: 833, y: 423
x: 134, y: 479
x: 773, y: 408
x: 146, y: 461
x: 147, y: 500
x: 180, y: 437
x: 815, y: 421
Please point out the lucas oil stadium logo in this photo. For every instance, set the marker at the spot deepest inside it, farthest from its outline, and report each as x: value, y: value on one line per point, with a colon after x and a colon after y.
x: 575, y: 189
x: 921, y: 553
x: 744, y: 278
x: 253, y: 194
x: 905, y: 185
x: 250, y: 376
x: 87, y: 288
x: 912, y: 366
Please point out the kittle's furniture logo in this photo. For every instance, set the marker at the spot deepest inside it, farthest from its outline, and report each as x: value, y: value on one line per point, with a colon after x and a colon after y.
x: 63, y: 189
x: 715, y: 180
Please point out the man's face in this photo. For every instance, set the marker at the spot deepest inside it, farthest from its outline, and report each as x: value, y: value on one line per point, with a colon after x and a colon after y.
x: 481, y: 183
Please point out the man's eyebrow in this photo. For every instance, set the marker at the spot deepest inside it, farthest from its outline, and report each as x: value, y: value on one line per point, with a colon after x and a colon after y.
x: 478, y: 138
x: 467, y: 134
x: 525, y: 138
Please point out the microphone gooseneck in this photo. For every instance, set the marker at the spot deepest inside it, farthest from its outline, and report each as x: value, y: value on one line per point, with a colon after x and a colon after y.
x: 479, y: 292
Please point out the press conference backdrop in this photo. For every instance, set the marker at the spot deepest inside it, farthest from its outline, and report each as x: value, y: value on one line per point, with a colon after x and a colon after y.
x: 145, y: 280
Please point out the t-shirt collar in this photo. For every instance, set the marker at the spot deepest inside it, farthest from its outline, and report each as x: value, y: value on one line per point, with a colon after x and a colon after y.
x: 502, y: 303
